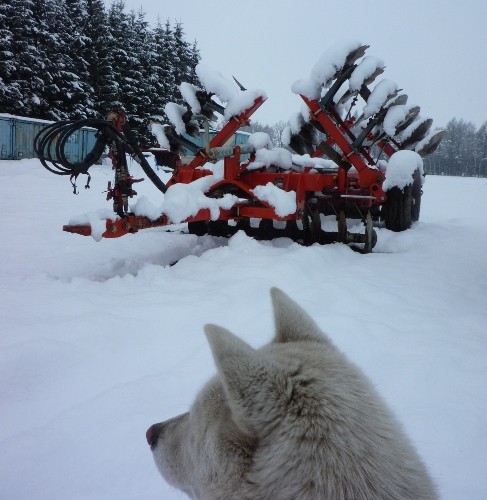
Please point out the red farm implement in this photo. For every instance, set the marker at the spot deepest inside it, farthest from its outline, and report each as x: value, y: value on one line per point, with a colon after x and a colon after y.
x: 335, y: 163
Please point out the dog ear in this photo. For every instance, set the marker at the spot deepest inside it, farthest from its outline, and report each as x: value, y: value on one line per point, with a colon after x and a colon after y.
x: 250, y: 379
x: 293, y: 323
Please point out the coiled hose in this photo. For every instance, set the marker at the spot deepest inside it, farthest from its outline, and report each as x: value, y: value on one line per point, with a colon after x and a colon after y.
x: 50, y: 148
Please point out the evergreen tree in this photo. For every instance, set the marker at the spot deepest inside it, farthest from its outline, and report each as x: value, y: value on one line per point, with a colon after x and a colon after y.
x: 140, y: 90
x: 80, y: 103
x: 184, y: 57
x: 23, y: 60
x: 481, y: 141
x: 162, y: 69
x: 9, y: 93
x: 98, y: 55
x: 73, y: 59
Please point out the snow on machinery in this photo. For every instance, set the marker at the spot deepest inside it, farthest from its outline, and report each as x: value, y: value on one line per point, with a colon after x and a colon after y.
x: 337, y: 170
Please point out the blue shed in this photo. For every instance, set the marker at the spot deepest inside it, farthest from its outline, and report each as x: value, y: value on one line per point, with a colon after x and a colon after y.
x: 17, y: 138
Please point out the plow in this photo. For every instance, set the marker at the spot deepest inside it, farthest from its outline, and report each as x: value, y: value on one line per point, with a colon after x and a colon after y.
x: 353, y: 152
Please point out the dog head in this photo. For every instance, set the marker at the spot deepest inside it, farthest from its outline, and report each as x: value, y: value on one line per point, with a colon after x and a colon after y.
x: 293, y: 419
x: 211, y: 448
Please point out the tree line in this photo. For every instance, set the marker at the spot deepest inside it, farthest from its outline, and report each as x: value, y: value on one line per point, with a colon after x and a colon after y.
x: 463, y: 151
x: 74, y: 59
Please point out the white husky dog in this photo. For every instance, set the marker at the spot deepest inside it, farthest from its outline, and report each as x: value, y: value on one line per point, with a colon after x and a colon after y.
x: 291, y: 420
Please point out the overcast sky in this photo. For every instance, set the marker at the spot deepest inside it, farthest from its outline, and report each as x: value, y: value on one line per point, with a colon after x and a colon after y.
x: 436, y: 51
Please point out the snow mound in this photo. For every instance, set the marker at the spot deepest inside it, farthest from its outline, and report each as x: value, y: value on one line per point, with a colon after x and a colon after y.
x: 400, y: 169
x: 283, y: 202
x: 260, y: 140
x: 278, y: 157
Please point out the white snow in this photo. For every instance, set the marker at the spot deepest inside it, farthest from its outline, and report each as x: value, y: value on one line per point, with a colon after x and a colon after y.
x: 96, y: 219
x: 419, y: 146
x: 364, y: 70
x: 378, y: 96
x: 188, y: 91
x: 331, y: 61
x: 215, y: 82
x: 242, y: 101
x: 101, y: 340
x: 400, y: 169
x: 317, y: 163
x: 283, y: 202
x: 184, y: 200
x: 406, y: 133
x: 227, y: 91
x: 260, y: 140
x: 175, y: 113
x: 157, y: 130
x: 278, y: 157
x: 394, y: 116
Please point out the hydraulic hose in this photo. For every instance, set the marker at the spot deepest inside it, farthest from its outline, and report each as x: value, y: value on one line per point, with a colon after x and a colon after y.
x: 50, y: 147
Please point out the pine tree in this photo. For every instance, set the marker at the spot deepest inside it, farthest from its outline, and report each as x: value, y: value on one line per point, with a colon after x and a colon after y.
x: 98, y: 55
x: 80, y: 103
x: 140, y: 90
x: 9, y: 93
x: 23, y: 60
x: 73, y: 59
x: 184, y: 56
x: 162, y: 69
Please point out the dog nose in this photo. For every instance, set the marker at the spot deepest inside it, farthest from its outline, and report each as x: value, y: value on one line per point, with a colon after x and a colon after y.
x: 151, y: 434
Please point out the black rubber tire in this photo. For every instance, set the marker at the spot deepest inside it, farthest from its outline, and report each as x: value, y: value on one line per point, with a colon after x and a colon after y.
x: 218, y: 228
x: 396, y: 211
x: 199, y: 228
x: 416, y: 193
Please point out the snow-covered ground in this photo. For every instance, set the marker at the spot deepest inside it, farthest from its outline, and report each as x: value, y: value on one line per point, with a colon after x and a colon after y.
x: 100, y: 340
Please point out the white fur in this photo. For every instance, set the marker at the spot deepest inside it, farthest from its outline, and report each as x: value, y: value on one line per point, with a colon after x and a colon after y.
x: 292, y: 420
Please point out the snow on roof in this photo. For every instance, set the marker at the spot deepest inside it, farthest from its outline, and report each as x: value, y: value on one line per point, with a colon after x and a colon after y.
x: 26, y: 118
x: 331, y: 61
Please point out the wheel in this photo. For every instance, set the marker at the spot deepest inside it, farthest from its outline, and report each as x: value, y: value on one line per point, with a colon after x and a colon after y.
x: 416, y: 193
x: 397, y: 210
x: 218, y: 228
x: 199, y: 228
x: 403, y: 206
